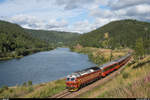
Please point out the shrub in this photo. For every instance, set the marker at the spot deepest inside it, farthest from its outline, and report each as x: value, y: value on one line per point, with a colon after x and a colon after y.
x: 30, y: 89
x: 29, y: 83
x: 24, y: 84
x: 5, y: 87
x: 125, y: 75
x: 1, y: 90
x: 11, y: 90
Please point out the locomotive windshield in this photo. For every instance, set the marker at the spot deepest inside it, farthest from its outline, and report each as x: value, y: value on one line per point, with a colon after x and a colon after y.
x: 70, y: 79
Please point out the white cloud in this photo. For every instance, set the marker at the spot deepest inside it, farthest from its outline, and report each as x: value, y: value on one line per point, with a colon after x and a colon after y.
x: 120, y: 4
x: 103, y: 13
x: 65, y: 15
x: 27, y: 21
x: 56, y: 25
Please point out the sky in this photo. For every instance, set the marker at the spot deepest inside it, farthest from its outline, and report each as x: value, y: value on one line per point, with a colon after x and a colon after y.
x: 72, y: 15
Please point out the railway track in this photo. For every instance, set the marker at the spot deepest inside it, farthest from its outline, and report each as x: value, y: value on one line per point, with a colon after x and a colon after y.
x: 62, y: 94
x: 67, y: 94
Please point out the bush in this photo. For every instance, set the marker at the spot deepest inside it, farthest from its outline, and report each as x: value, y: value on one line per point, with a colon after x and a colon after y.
x: 30, y: 89
x: 1, y: 90
x: 24, y: 84
x: 11, y: 90
x: 29, y: 83
x: 125, y: 75
x: 5, y: 87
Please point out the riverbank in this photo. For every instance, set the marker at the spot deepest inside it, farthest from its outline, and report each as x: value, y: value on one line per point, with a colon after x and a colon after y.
x: 20, y: 53
x: 100, y: 56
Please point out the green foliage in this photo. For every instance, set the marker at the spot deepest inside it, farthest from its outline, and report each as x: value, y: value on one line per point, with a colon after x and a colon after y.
x: 139, y: 47
x: 15, y: 41
x: 97, y: 59
x: 121, y: 34
x: 30, y: 89
x: 54, y: 37
x: 10, y: 90
x: 1, y: 90
x: 24, y: 84
x: 125, y: 75
x: 5, y: 87
x: 29, y: 83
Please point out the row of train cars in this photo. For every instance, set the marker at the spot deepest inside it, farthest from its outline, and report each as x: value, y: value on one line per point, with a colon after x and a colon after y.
x: 78, y: 79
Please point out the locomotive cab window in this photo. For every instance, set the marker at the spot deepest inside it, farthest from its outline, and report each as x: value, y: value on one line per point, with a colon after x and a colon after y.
x: 72, y: 79
x: 68, y: 79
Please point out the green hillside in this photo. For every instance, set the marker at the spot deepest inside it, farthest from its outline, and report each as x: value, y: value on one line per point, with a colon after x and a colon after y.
x: 54, y: 37
x: 14, y: 41
x: 118, y: 34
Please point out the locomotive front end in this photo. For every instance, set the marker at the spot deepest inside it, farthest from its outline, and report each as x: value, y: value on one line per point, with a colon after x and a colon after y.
x: 71, y: 83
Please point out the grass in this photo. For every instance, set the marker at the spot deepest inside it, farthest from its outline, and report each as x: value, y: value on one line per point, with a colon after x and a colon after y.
x: 48, y: 90
x: 27, y: 90
x: 130, y: 83
x: 100, y: 56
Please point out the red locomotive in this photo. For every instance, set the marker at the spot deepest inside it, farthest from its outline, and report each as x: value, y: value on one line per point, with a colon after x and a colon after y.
x: 81, y: 78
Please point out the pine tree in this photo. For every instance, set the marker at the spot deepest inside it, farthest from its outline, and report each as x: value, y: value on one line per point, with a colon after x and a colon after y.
x: 139, y: 48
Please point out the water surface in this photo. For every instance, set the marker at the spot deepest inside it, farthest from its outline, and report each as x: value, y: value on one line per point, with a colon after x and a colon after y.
x: 42, y: 67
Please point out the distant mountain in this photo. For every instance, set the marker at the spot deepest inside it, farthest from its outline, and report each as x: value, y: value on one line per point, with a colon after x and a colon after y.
x: 54, y: 37
x: 122, y: 33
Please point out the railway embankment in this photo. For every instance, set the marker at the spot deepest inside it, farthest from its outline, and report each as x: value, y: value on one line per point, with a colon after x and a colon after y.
x: 100, y: 56
x: 132, y: 82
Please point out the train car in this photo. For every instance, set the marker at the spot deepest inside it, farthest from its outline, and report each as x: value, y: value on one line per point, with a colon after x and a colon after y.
x: 80, y: 78
x: 108, y: 68
x: 114, y: 65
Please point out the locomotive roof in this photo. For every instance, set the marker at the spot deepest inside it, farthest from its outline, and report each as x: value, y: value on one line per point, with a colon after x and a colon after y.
x: 87, y: 70
x: 83, y: 72
x: 107, y: 64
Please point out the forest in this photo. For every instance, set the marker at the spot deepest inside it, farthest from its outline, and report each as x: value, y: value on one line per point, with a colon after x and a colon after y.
x: 129, y: 33
x: 55, y: 38
x: 14, y: 42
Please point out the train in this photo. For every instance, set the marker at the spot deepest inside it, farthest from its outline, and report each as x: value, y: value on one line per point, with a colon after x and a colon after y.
x: 79, y: 79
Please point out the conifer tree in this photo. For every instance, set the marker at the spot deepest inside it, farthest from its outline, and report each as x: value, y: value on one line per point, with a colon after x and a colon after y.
x: 139, y: 48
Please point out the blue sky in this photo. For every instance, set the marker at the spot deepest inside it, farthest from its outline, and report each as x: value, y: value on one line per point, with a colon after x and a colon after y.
x: 1, y: 1
x: 72, y: 15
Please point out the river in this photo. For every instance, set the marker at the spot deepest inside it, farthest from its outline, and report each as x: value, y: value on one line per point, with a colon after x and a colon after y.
x: 42, y: 67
